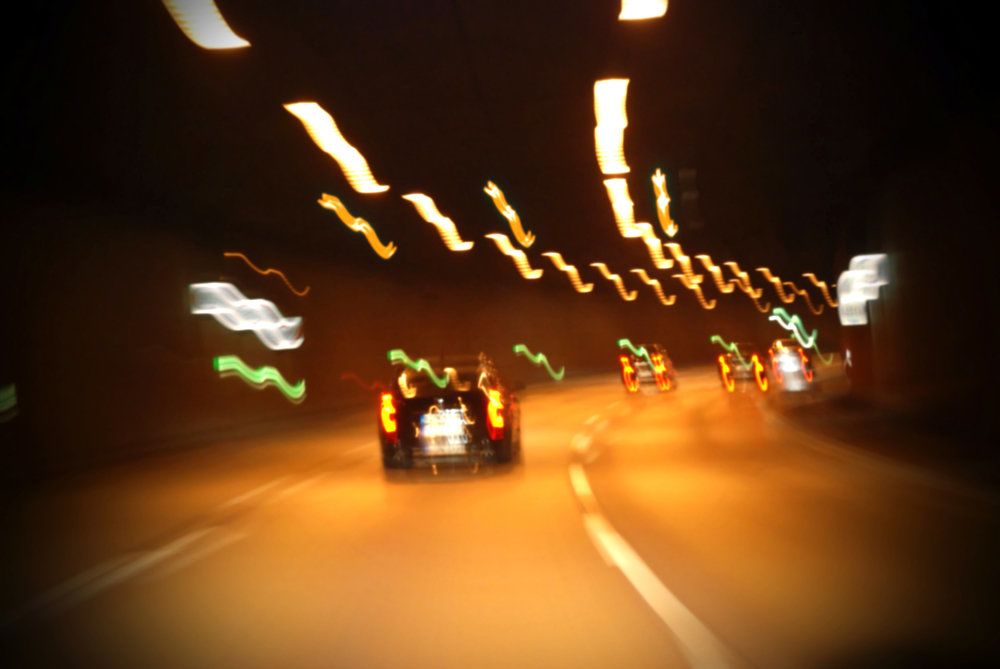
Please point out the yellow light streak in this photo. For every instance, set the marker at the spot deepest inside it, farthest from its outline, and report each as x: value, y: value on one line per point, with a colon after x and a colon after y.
x: 655, y: 285
x: 816, y: 311
x: 621, y: 205
x: 778, y: 288
x: 445, y: 226
x: 523, y: 237
x: 203, y: 24
x: 324, y: 132
x: 639, y: 10
x: 685, y: 263
x: 333, y: 203
x: 716, y: 272
x: 654, y: 246
x: 696, y: 289
x: 659, y: 180
x: 609, y: 133
x: 627, y: 295
x: 743, y: 280
x: 517, y: 255
x: 571, y: 272
x: 822, y: 288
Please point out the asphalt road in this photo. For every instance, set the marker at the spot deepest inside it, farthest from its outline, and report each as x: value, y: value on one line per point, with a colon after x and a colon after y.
x: 690, y: 529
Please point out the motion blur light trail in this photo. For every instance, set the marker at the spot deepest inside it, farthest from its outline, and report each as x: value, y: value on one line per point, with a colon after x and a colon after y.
x: 517, y: 255
x: 445, y: 226
x: 627, y: 295
x: 398, y: 356
x: 639, y: 10
x: 203, y: 24
x: 729, y: 347
x: 778, y: 288
x: 374, y: 386
x: 266, y: 272
x: 8, y: 402
x: 524, y: 238
x: 622, y: 206
x: 539, y: 359
x: 696, y: 289
x: 716, y: 272
x: 225, y: 303
x: 333, y: 203
x: 815, y: 310
x: 570, y: 270
x: 822, y: 288
x: 654, y: 246
x: 323, y: 130
x: 655, y: 285
x: 858, y: 285
x: 609, y: 133
x: 794, y: 324
x: 662, y: 197
x: 639, y: 352
x: 260, y: 378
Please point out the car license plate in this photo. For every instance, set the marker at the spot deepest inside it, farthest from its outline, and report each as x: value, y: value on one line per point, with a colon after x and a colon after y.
x: 443, y: 432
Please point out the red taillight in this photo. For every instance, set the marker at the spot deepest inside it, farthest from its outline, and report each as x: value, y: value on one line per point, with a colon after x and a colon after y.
x: 494, y: 414
x: 760, y: 372
x: 806, y: 371
x: 726, y: 371
x: 628, y: 374
x: 660, y: 372
x: 388, y: 416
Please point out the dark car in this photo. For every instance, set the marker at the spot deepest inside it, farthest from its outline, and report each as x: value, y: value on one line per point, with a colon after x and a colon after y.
x: 740, y: 366
x: 652, y: 372
x: 474, y: 418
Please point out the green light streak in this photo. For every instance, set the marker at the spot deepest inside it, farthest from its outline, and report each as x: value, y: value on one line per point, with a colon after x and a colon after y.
x: 8, y: 397
x: 794, y: 324
x: 640, y: 352
x: 261, y: 377
x: 397, y: 355
x: 730, y: 347
x: 540, y: 360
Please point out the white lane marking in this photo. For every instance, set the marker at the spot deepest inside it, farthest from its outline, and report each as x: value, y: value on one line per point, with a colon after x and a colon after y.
x: 581, y: 486
x: 250, y: 494
x: 593, y: 419
x: 201, y: 553
x: 294, y: 488
x: 580, y: 442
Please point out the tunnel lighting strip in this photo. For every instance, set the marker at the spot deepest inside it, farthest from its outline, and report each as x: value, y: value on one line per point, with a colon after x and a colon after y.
x: 823, y: 288
x: 622, y: 207
x: 203, y: 24
x: 639, y: 352
x: 627, y: 295
x: 654, y: 246
x: 524, y: 237
x: 539, y: 359
x: 398, y: 356
x: 570, y: 270
x: 659, y: 180
x: 609, y: 131
x: 445, y: 226
x: 640, y: 10
x: 267, y: 272
x: 655, y: 285
x: 516, y: 255
x: 333, y: 203
x: 794, y: 324
x: 260, y: 378
x: 226, y: 304
x: 801, y: 292
x: 324, y: 132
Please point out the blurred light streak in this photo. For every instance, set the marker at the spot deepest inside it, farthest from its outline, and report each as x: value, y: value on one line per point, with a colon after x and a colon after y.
x: 654, y: 246
x: 494, y: 413
x: 324, y: 132
x: 660, y: 372
x: 523, y: 237
x: 659, y: 180
x: 639, y: 10
x: 203, y: 24
x: 639, y: 352
x: 609, y: 133
x: 716, y: 272
x: 760, y: 374
x: 794, y: 324
x: 696, y: 289
x: 539, y: 359
x: 397, y: 356
x: 571, y: 271
x: 8, y: 402
x: 727, y: 374
x: 629, y: 377
x: 333, y: 203
x: 627, y: 295
x: 404, y: 386
x: 858, y: 285
x: 445, y: 226
x: 655, y: 284
x: 225, y: 303
x: 622, y: 206
x: 744, y: 280
x: 685, y: 263
x: 387, y: 414
x: 260, y: 378
x: 822, y: 288
x: 730, y: 347
x: 517, y: 255
x: 266, y: 272
x: 814, y: 310
x: 357, y: 380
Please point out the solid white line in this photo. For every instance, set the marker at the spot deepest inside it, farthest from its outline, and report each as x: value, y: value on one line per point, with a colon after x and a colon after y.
x: 250, y: 494
x: 218, y: 544
x: 580, y: 442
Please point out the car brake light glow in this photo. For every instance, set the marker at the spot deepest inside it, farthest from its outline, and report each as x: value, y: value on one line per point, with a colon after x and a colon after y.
x: 806, y: 371
x: 759, y: 372
x: 388, y: 416
x: 628, y: 374
x: 727, y: 374
x: 660, y: 372
x: 494, y: 414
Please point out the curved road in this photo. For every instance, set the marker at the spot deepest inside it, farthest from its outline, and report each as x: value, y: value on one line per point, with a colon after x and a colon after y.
x: 692, y: 529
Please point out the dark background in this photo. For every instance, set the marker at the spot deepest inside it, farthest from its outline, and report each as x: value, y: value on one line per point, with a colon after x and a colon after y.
x: 133, y: 158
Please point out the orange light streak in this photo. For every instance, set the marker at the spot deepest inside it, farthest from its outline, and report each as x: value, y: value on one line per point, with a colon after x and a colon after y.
x: 822, y: 288
x: 203, y: 24
x: 759, y: 373
x: 333, y: 203
x: 778, y: 288
x: 655, y: 285
x: 816, y: 311
x: 696, y: 289
x: 445, y: 226
x: 623, y: 207
x: 627, y: 295
x: 609, y: 132
x: 659, y: 180
x: 639, y: 10
x: 716, y: 272
x: 324, y: 132
x: 726, y: 372
x: 629, y: 377
x: 654, y: 246
x: 517, y: 255
x: 266, y: 272
x: 523, y: 237
x: 571, y: 272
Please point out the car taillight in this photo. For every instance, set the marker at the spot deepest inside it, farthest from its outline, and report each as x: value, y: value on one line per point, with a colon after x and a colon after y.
x: 806, y: 371
x: 759, y: 372
x: 628, y: 374
x: 660, y: 371
x: 388, y: 416
x: 494, y: 414
x: 726, y: 371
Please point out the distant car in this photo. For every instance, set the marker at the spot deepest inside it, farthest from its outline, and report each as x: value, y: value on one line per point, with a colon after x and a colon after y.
x: 739, y: 367
x: 790, y: 365
x: 475, y: 418
x: 651, y: 373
